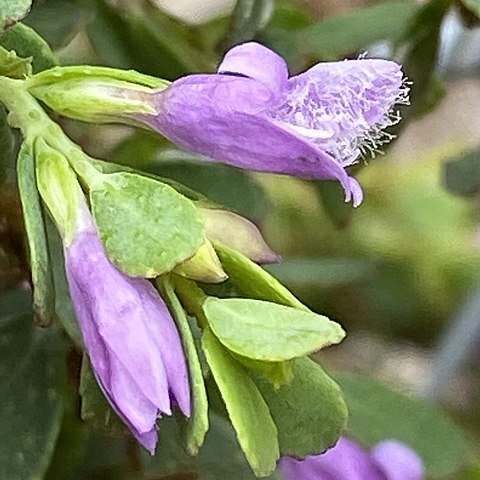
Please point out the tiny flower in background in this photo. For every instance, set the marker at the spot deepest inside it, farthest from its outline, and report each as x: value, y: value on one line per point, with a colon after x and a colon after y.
x: 128, y: 332
x: 252, y: 115
x: 388, y: 460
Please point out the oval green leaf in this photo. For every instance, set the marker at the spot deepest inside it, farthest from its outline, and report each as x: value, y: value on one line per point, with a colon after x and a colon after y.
x: 309, y: 412
x: 267, y: 331
x: 246, y: 407
x: 146, y: 226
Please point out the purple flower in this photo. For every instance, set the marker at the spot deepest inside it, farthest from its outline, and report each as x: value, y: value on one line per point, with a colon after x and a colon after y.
x: 252, y: 115
x: 129, y: 335
x: 388, y: 460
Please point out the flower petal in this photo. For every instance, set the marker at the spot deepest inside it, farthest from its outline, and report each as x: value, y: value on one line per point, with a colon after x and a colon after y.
x: 164, y: 334
x: 257, y: 62
x: 221, y: 126
x: 398, y: 461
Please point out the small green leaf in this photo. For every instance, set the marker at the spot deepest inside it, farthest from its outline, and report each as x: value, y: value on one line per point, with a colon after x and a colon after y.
x: 246, y: 408
x: 95, y: 408
x: 378, y: 413
x: 309, y: 412
x: 146, y: 226
x: 473, y: 6
x: 252, y: 280
x: 31, y: 388
x: 267, y: 331
x: 42, y: 277
x: 27, y: 43
x: 462, y: 175
x: 11, y: 11
x: 197, y: 425
x: 13, y: 66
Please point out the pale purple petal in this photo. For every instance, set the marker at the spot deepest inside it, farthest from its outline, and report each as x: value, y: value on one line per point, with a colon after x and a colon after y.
x: 129, y: 335
x: 165, y: 335
x: 398, y: 461
x: 257, y: 62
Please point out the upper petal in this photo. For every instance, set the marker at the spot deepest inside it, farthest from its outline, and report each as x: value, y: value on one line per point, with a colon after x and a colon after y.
x: 398, y: 461
x: 258, y: 62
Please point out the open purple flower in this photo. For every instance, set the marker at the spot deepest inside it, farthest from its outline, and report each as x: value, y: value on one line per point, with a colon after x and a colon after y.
x: 252, y: 115
x: 131, y: 339
x: 388, y: 460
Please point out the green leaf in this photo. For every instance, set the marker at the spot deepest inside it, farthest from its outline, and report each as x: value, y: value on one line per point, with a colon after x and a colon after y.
x: 246, y: 408
x: 139, y: 36
x: 267, y: 331
x: 69, y: 17
x: 95, y: 408
x: 248, y: 17
x: 332, y: 196
x: 11, y: 11
x: 378, y: 413
x: 197, y: 424
x: 422, y: 40
x: 32, y: 375
x: 462, y: 175
x: 13, y: 66
x: 253, y: 281
x: 27, y: 43
x: 473, y: 6
x: 42, y: 276
x: 323, y: 272
x: 347, y: 33
x: 309, y: 412
x: 146, y: 226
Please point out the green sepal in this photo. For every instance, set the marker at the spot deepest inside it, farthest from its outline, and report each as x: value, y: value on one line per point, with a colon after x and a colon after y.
x: 97, y: 94
x: 197, y: 425
x: 59, y: 188
x: 248, y: 412
x: 40, y: 262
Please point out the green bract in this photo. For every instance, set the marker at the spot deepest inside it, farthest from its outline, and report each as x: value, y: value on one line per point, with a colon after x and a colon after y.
x: 267, y: 331
x: 146, y: 226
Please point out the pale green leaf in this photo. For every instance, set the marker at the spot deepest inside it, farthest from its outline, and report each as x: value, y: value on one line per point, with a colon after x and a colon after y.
x: 248, y: 412
x: 267, y: 331
x: 146, y: 226
x: 252, y: 280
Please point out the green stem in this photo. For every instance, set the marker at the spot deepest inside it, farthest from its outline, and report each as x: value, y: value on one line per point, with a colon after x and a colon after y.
x: 29, y: 116
x: 192, y: 298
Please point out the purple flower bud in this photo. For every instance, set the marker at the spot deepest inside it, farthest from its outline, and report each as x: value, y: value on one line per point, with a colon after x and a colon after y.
x: 252, y: 115
x: 131, y: 339
x: 389, y: 460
